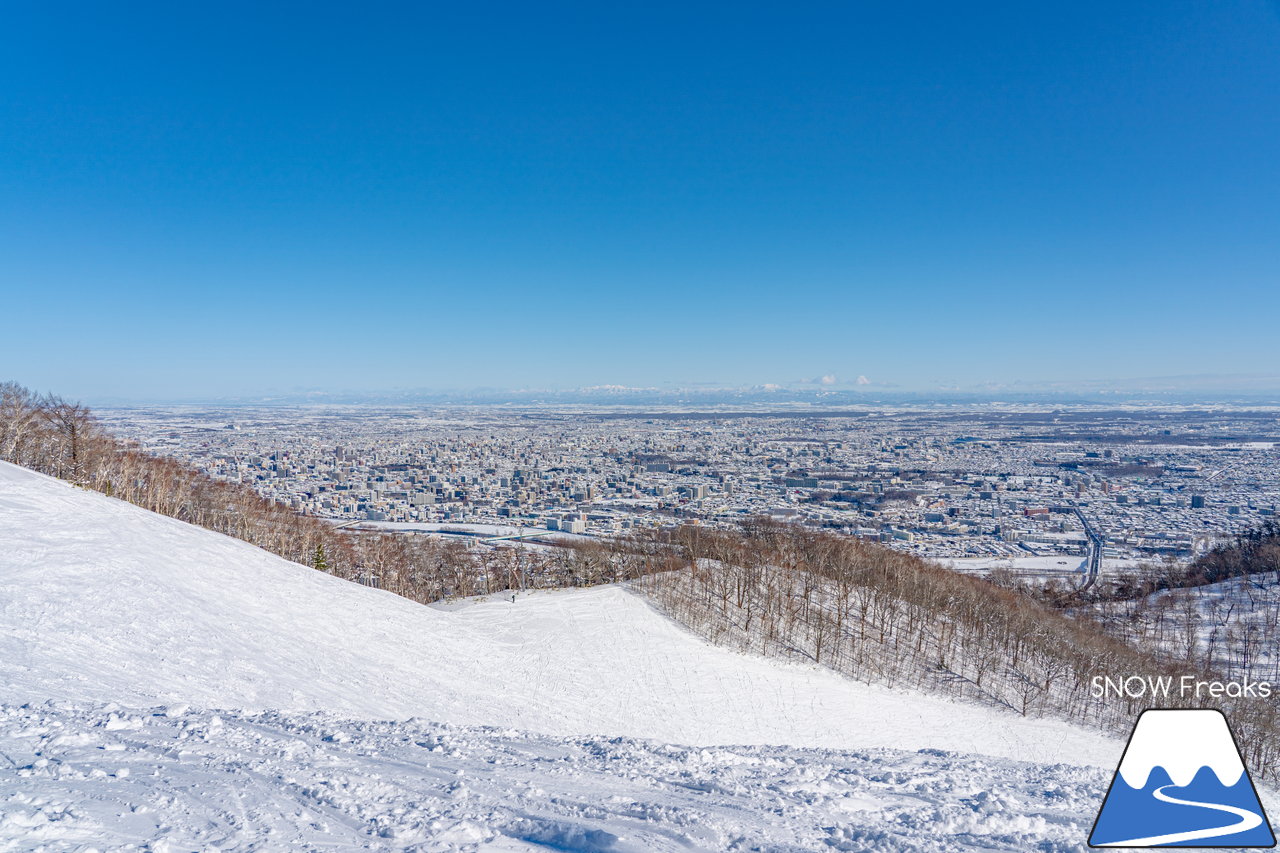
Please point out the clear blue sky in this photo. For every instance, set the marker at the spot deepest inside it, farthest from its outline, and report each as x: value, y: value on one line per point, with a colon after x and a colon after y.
x: 228, y: 198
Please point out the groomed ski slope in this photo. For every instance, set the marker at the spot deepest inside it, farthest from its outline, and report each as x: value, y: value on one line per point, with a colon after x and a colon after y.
x: 171, y: 688
x: 100, y: 600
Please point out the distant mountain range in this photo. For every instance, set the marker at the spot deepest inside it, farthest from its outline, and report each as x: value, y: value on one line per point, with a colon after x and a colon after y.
x: 1241, y: 389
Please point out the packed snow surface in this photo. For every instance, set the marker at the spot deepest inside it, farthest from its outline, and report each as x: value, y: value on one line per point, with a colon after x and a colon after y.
x: 161, y: 684
x: 186, y: 780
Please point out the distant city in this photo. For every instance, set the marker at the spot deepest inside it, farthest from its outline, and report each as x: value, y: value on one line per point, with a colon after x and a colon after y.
x: 1030, y: 490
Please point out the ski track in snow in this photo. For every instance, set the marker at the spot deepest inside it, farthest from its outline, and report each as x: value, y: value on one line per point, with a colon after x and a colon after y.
x: 170, y: 779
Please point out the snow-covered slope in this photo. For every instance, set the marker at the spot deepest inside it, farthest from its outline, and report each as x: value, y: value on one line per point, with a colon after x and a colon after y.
x: 1228, y: 627
x: 183, y: 781
x: 101, y: 600
x: 171, y: 688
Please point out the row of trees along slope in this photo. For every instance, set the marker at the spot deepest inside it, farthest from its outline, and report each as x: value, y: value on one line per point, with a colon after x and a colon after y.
x: 63, y: 439
x: 891, y: 618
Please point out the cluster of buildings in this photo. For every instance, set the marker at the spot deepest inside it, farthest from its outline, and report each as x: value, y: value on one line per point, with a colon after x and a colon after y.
x: 976, y: 486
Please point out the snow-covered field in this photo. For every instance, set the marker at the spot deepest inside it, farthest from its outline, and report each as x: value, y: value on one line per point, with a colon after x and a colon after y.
x: 468, y: 529
x: 163, y: 685
x: 1049, y: 565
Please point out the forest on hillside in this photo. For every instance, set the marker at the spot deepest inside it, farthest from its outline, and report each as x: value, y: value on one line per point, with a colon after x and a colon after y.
x: 1219, y: 612
x: 891, y: 618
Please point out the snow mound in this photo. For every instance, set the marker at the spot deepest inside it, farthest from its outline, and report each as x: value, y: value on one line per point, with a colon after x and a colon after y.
x: 101, y: 601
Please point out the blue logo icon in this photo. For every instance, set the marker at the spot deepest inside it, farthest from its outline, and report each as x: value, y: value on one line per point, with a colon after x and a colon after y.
x: 1181, y: 783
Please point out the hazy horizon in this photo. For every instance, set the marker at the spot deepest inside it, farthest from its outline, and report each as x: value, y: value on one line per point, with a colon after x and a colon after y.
x: 1174, y: 390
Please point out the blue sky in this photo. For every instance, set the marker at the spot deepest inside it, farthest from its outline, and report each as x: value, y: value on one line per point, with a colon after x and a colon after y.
x: 234, y: 198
